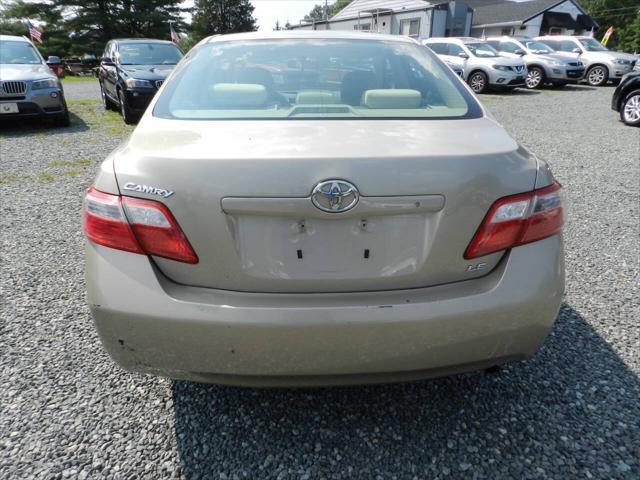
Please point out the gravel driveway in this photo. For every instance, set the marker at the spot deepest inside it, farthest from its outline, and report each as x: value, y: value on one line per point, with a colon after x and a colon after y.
x: 67, y: 411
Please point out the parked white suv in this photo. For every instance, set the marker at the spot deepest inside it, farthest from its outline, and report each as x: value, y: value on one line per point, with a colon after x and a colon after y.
x: 601, y: 63
x: 482, y: 65
x: 544, y: 65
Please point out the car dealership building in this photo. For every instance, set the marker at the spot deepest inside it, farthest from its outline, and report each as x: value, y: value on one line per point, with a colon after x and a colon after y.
x: 421, y: 19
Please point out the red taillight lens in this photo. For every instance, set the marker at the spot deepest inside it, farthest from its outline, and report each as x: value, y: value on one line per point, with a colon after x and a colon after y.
x: 157, y: 231
x: 135, y: 225
x: 519, y: 219
x: 105, y: 223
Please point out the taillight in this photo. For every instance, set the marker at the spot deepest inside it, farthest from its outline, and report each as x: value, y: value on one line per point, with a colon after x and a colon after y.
x: 519, y: 219
x: 135, y: 225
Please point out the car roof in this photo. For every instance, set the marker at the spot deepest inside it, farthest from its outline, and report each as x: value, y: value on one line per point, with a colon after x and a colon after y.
x: 509, y: 37
x: 562, y: 37
x: 311, y: 34
x: 139, y: 40
x: 14, y: 38
x: 458, y: 40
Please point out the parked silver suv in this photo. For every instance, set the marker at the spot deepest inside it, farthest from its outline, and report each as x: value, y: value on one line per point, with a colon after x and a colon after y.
x: 544, y: 65
x: 28, y: 87
x: 601, y: 63
x: 482, y: 64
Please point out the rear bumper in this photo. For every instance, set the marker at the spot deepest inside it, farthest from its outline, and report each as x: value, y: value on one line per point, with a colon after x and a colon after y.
x: 150, y: 324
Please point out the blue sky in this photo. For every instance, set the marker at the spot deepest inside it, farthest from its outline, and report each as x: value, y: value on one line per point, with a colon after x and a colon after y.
x: 268, y: 11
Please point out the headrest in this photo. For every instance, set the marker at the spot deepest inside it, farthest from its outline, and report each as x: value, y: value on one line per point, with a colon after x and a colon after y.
x: 392, y: 98
x: 238, y: 95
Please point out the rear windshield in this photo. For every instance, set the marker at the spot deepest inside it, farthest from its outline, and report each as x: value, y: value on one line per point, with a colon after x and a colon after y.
x: 314, y: 78
x: 148, y: 54
x: 18, y: 53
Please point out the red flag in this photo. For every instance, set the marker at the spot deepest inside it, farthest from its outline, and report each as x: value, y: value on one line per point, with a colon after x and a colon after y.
x: 175, y: 38
x: 34, y: 32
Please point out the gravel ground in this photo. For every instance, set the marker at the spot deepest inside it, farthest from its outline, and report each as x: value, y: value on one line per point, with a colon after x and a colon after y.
x: 81, y: 90
x: 67, y: 411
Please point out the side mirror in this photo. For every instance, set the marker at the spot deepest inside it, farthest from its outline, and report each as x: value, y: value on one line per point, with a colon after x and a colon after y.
x: 463, y: 55
x: 53, y: 60
x: 107, y: 62
x: 577, y: 50
x: 520, y: 52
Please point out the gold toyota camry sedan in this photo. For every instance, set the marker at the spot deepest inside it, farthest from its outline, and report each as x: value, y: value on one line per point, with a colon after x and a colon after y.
x: 320, y: 208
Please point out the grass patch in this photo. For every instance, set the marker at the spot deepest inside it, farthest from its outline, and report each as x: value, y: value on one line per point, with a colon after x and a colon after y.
x: 74, y: 172
x: 45, y: 177
x: 70, y: 163
x: 6, y: 178
x: 70, y: 79
x: 85, y: 102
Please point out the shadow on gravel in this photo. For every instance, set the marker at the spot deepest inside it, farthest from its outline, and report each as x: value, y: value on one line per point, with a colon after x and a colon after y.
x: 30, y: 127
x: 511, y: 93
x: 573, y: 88
x: 568, y: 411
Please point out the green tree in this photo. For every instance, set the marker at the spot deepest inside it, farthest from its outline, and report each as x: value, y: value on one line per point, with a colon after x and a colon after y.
x: 317, y: 12
x: 622, y: 15
x: 12, y: 27
x: 214, y: 17
x: 75, y: 27
x: 56, y: 39
x: 629, y: 36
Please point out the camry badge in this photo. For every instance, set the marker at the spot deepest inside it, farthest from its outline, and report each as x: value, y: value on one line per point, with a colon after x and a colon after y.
x: 134, y: 187
x: 335, y: 196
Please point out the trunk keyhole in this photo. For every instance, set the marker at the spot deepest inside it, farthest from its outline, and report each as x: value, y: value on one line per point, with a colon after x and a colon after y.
x: 366, y: 253
x: 300, y: 254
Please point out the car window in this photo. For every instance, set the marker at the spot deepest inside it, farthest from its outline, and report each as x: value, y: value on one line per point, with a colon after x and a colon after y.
x: 454, y: 50
x: 592, y: 45
x: 18, y: 53
x: 313, y: 78
x: 139, y: 53
x: 107, y: 51
x: 439, y: 48
x: 509, y: 47
x: 494, y: 43
x: 482, y: 50
x: 564, y: 45
x: 539, y: 47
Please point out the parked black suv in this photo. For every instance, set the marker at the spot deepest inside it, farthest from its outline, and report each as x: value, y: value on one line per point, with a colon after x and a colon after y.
x: 626, y: 99
x: 131, y: 72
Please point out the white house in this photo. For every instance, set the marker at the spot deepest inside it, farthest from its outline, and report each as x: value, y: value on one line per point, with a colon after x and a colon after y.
x: 459, y: 18
x: 414, y: 18
x: 532, y: 18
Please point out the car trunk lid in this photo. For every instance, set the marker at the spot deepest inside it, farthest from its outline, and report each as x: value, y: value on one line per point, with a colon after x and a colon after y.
x: 242, y: 195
